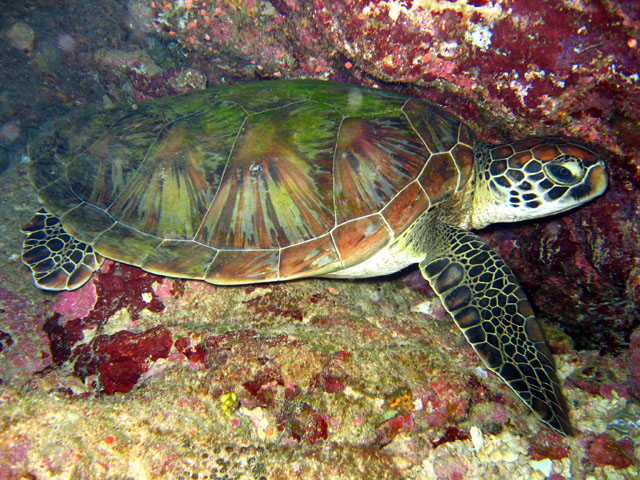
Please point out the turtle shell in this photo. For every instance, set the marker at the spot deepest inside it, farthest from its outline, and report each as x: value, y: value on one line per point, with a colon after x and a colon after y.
x: 255, y: 182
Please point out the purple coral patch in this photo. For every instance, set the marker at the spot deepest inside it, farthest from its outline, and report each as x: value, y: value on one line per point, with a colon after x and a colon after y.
x: 77, y: 303
x: 122, y: 358
x: 194, y: 353
x: 606, y: 451
x: 302, y: 422
x: 119, y: 286
x: 547, y: 444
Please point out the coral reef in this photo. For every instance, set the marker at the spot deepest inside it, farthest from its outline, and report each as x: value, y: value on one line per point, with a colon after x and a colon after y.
x: 140, y: 376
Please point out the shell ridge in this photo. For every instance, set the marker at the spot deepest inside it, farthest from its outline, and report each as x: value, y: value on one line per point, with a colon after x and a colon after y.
x: 65, y: 167
x: 62, y: 214
x: 61, y: 180
x: 388, y: 225
x: 206, y: 270
x: 354, y: 221
x: 335, y: 246
x: 415, y: 130
x: 102, y: 233
x: 278, y: 265
x: 106, y: 131
x: 455, y: 162
x: 242, y: 107
x: 333, y: 177
x: 52, y: 183
x: 163, y: 241
x: 126, y: 225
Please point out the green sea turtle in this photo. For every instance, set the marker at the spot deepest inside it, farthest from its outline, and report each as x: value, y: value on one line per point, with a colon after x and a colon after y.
x: 280, y: 180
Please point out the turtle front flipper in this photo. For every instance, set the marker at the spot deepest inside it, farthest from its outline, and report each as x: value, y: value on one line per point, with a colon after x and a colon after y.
x: 483, y: 296
x: 56, y: 259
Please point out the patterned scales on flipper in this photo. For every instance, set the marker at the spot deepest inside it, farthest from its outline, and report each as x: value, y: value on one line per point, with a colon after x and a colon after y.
x: 58, y: 261
x: 483, y: 296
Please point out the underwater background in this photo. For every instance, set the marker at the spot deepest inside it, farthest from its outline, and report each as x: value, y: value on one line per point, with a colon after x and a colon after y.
x: 140, y: 376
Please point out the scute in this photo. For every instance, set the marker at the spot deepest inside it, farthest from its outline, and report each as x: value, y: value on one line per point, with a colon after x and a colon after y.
x: 86, y: 222
x: 359, y: 239
x: 276, y: 189
x: 440, y: 178
x: 126, y: 244
x: 406, y: 207
x: 374, y: 159
x: 438, y: 128
x: 315, y: 257
x: 59, y: 195
x: 243, y: 266
x: 179, y: 258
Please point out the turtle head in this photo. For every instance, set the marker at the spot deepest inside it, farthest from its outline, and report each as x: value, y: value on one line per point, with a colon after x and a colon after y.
x: 533, y: 178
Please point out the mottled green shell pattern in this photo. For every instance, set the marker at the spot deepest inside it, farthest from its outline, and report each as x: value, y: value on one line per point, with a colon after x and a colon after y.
x: 253, y: 182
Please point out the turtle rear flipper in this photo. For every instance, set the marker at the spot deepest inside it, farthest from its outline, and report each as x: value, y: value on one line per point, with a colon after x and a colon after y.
x: 483, y: 296
x: 56, y: 259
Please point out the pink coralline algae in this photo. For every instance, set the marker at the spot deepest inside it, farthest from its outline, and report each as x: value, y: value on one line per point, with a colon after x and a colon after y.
x: 195, y: 353
x: 302, y: 422
x: 547, y: 444
x: 122, y: 358
x: 603, y: 376
x: 123, y: 286
x: 217, y: 34
x: 172, y: 81
x: 23, y: 346
x: 606, y: 451
x: 446, y: 402
x: 76, y: 303
x: 393, y: 426
x: 330, y: 383
x: 265, y: 387
x: 276, y: 302
x: 132, y: 75
x: 14, y: 456
x: 254, y: 358
x: 119, y: 359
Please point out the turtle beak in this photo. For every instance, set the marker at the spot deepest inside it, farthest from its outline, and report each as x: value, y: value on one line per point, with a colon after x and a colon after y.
x: 594, y: 184
x: 598, y: 178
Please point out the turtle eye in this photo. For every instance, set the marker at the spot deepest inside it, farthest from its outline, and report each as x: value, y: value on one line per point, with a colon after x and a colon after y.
x: 564, y: 170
